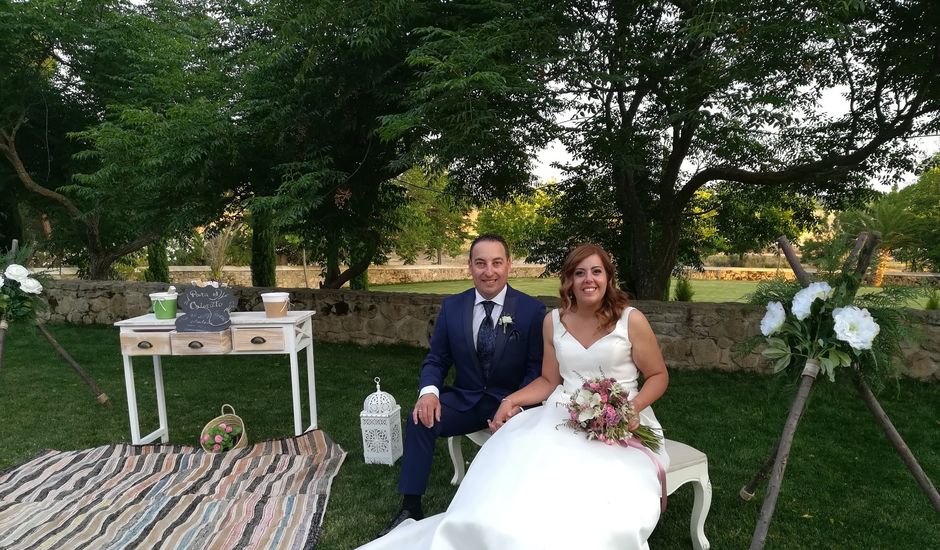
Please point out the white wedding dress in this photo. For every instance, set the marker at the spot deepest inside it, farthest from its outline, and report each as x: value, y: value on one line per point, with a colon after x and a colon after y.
x: 537, y: 484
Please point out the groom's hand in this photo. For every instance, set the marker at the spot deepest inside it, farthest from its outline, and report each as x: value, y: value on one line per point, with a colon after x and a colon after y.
x: 427, y: 410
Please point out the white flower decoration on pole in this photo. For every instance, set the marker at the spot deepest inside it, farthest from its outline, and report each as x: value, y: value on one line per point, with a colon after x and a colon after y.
x: 30, y: 286
x: 855, y: 326
x: 773, y: 319
x: 803, y: 301
x: 1, y: 282
x: 505, y: 320
x: 16, y: 272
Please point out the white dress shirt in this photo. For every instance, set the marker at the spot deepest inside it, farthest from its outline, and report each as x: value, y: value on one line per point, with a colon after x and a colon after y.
x: 479, y: 313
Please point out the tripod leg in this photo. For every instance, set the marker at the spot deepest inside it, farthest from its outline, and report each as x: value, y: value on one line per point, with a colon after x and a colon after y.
x: 783, y: 453
x: 99, y: 395
x: 3, y: 336
x: 747, y: 492
x: 899, y: 445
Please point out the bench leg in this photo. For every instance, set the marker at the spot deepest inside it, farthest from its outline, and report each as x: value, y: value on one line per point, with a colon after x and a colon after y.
x: 456, y: 456
x: 700, y: 507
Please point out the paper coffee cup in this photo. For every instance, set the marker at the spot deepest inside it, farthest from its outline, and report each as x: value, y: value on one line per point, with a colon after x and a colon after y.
x: 164, y: 305
x: 276, y: 304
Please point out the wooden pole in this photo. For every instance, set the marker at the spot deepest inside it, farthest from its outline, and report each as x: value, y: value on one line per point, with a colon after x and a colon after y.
x: 3, y: 335
x: 801, y: 275
x: 895, y: 438
x: 783, y: 454
x: 99, y: 395
x: 748, y: 491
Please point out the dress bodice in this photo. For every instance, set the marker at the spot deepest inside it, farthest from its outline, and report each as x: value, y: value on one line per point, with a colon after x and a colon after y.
x: 611, y: 356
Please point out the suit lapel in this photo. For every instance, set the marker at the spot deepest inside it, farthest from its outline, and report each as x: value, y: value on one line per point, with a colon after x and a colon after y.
x: 502, y: 331
x: 468, y: 326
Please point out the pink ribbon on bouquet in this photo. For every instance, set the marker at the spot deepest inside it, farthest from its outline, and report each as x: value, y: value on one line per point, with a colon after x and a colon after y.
x: 661, y: 472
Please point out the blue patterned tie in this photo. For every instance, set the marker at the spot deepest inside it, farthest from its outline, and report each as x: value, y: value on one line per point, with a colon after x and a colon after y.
x: 486, y: 339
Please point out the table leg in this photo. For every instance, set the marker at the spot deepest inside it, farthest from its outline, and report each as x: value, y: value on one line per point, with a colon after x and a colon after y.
x: 161, y: 398
x: 131, y: 399
x: 311, y: 387
x: 295, y: 393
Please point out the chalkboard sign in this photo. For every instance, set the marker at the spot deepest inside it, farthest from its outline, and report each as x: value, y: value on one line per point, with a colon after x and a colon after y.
x: 205, y: 309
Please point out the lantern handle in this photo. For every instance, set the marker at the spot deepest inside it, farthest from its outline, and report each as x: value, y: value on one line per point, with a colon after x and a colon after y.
x: 377, y: 388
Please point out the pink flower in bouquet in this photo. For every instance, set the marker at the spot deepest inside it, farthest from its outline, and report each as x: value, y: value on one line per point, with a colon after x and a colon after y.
x: 223, y: 425
x: 216, y: 448
x: 228, y: 429
x: 611, y: 416
x: 218, y: 439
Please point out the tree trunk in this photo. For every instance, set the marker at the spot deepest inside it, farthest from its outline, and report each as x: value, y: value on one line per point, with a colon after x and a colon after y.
x: 99, y: 266
x: 332, y: 263
x: 879, y: 276
x: 263, y: 261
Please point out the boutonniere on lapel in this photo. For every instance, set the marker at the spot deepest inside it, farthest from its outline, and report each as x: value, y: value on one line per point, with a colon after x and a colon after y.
x: 505, y: 320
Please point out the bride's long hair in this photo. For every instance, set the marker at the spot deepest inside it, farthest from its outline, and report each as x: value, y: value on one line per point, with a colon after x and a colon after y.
x: 615, y: 300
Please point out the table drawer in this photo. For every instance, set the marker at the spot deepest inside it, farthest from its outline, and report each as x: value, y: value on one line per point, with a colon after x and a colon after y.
x: 201, y: 343
x: 258, y: 339
x: 145, y: 343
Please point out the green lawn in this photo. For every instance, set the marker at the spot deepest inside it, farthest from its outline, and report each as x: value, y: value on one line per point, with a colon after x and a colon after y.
x: 845, y: 487
x: 705, y: 291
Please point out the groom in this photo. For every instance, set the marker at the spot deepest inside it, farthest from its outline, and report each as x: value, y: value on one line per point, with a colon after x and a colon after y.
x: 492, y: 335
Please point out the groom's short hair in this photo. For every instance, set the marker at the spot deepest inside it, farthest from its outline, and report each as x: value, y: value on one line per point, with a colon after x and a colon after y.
x: 490, y: 237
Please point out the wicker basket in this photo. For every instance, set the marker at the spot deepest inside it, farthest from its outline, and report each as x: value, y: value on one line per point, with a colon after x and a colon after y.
x: 231, y: 419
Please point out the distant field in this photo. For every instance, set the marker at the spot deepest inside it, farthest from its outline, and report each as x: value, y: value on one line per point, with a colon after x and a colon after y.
x: 705, y: 291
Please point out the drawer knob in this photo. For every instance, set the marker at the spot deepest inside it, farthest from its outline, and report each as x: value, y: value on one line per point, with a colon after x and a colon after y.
x: 195, y: 344
x: 258, y: 340
x: 144, y: 345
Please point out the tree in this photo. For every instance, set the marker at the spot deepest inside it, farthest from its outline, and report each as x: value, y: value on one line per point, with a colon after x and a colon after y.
x: 521, y: 220
x: 660, y: 100
x: 108, y: 118
x: 922, y: 202
x: 431, y: 221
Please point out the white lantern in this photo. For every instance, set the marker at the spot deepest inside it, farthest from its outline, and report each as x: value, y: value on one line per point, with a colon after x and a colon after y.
x: 380, y: 420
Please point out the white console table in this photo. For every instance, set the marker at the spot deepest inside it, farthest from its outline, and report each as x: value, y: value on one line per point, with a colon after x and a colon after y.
x: 251, y: 333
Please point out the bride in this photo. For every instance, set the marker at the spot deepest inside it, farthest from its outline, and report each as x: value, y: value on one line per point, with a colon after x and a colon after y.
x: 537, y: 484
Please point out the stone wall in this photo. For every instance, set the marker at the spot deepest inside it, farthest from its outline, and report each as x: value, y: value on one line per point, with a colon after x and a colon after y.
x: 692, y: 335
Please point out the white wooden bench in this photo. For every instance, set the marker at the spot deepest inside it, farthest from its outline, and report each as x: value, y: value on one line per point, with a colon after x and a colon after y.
x: 686, y: 465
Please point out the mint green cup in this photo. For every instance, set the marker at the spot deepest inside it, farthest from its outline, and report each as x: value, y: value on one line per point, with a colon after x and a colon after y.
x: 164, y: 305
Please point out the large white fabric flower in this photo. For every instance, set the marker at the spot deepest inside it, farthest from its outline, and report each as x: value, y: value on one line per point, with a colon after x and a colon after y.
x: 16, y: 272
x: 803, y: 301
x: 855, y: 326
x: 30, y: 286
x: 773, y: 319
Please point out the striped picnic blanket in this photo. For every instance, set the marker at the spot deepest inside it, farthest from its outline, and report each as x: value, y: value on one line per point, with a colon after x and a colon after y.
x: 268, y: 495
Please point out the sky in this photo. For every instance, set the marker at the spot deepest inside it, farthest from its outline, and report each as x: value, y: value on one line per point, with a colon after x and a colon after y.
x: 831, y: 102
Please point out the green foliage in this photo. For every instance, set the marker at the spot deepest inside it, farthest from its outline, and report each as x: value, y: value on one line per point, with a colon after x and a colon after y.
x: 933, y: 299
x: 158, y: 266
x: 658, y: 101
x: 922, y: 203
x: 684, y: 291
x: 263, y: 257
x: 521, y: 220
x: 431, y: 220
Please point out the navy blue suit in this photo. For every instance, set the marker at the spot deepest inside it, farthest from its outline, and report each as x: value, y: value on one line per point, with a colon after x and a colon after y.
x: 473, y: 398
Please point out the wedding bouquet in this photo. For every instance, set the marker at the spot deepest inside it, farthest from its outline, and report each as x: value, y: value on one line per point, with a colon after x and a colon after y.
x: 601, y: 409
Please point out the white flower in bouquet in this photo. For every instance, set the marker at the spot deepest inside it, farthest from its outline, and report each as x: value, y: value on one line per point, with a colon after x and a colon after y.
x: 803, y: 301
x: 855, y: 326
x: 589, y: 401
x: 773, y: 319
x: 30, y: 286
x: 16, y: 272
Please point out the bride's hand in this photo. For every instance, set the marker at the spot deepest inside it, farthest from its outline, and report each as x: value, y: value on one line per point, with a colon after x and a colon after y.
x: 505, y: 411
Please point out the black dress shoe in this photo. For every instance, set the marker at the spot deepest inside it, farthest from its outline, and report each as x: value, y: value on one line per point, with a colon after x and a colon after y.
x: 403, y: 514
